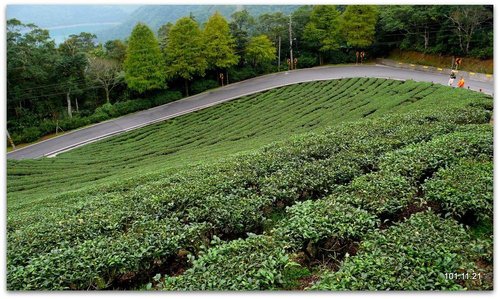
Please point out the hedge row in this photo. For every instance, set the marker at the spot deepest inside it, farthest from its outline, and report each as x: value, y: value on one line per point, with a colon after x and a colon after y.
x: 99, y: 262
x: 312, y: 221
x: 413, y: 255
x: 420, y: 162
x: 463, y: 189
x: 380, y: 193
x: 400, y: 250
x: 228, y: 199
x: 395, y: 185
x: 254, y: 263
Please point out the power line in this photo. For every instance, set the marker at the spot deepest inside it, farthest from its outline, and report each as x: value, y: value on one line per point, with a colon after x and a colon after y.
x: 58, y: 93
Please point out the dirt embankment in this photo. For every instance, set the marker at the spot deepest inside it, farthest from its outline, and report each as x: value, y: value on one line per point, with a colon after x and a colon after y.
x: 441, y: 61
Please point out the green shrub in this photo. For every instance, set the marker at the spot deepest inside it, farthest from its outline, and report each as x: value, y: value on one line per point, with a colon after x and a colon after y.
x: 306, y: 59
x: 480, y: 113
x: 413, y: 255
x: 203, y: 84
x: 122, y: 108
x: 29, y: 134
x: 308, y: 180
x: 418, y: 162
x: 312, y: 221
x: 24, y: 119
x: 242, y: 73
x: 17, y: 138
x: 107, y: 108
x: 255, y: 263
x: 165, y: 97
x: 85, y: 112
x: 485, y: 104
x: 340, y: 56
x: 98, y: 117
x: 47, y: 126
x: 73, y: 123
x: 245, y: 215
x: 464, y: 188
x: 379, y: 193
x: 482, y: 53
x: 99, y: 262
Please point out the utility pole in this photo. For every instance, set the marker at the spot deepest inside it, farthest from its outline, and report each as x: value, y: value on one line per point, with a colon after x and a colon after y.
x: 279, y: 53
x: 290, y: 37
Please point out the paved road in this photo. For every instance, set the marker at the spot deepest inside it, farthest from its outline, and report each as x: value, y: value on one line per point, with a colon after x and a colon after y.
x: 125, y: 123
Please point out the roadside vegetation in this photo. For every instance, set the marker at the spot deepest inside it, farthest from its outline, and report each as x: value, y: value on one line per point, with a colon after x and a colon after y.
x: 470, y: 64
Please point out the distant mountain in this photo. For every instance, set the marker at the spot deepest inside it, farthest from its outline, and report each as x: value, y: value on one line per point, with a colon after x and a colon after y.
x: 156, y: 15
x: 64, y: 20
x: 117, y: 21
x: 47, y: 16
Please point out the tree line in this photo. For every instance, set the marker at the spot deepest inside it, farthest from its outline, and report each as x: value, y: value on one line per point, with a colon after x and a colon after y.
x: 59, y: 87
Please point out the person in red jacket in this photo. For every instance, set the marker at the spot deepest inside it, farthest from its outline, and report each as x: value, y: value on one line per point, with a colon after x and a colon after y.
x: 461, y: 83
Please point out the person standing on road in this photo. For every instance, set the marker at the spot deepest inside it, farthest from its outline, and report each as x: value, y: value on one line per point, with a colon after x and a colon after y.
x: 461, y: 83
x: 452, y: 78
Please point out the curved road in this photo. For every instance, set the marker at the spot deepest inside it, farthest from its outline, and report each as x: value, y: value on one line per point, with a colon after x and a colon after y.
x: 76, y: 138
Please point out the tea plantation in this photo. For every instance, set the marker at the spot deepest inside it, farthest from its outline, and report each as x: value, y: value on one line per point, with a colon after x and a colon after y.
x: 353, y: 184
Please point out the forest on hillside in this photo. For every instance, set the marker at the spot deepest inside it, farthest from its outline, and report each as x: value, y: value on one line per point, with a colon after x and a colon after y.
x: 53, y: 88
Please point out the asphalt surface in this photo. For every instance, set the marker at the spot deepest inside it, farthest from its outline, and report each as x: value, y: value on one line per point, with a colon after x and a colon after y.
x: 70, y: 140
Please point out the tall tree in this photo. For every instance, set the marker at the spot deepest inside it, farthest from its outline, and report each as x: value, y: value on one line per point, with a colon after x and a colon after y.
x: 185, y: 52
x: 241, y: 26
x: 323, y: 29
x: 115, y: 49
x: 163, y: 35
x: 31, y: 56
x: 301, y: 16
x: 275, y: 26
x: 242, y: 20
x: 83, y: 42
x: 358, y: 25
x: 143, y: 63
x: 219, y: 44
x: 105, y: 72
x: 307, y: 51
x: 415, y: 22
x: 467, y: 20
x: 260, y: 49
x: 72, y: 64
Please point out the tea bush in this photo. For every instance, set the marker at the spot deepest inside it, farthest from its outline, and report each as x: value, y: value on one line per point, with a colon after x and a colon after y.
x: 97, y: 263
x: 420, y: 161
x: 380, y: 193
x: 465, y: 188
x: 312, y: 221
x: 254, y: 263
x: 413, y: 255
